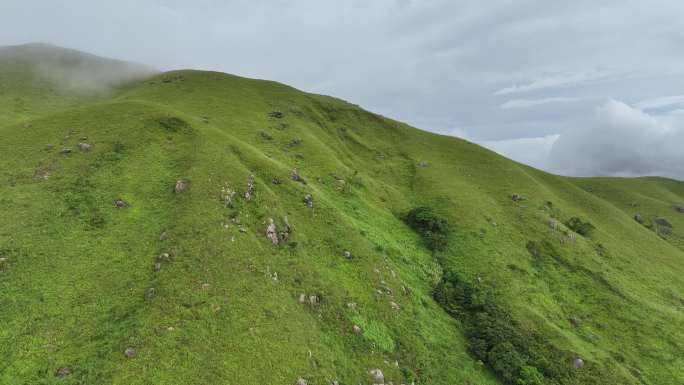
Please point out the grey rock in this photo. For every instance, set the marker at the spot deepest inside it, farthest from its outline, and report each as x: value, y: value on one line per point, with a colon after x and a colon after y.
x: 301, y: 381
x: 121, y: 204
x: 423, y: 163
x: 578, y: 363
x: 149, y: 293
x: 294, y: 175
x: 516, y: 197
x: 65, y: 151
x: 678, y: 208
x: 249, y: 192
x: 62, y: 372
x: 308, y: 200
x: 272, y: 231
x: 181, y: 185
x: 314, y: 300
x: 276, y: 114
x: 266, y: 135
x: 347, y: 254
x: 357, y: 329
x: 130, y: 352
x: 378, y: 377
x: 85, y: 146
x: 157, y: 266
x: 638, y: 218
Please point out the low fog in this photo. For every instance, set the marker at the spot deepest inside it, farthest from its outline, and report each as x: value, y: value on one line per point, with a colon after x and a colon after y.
x: 73, y: 71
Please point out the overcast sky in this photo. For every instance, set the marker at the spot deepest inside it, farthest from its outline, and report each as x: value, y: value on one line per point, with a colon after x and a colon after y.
x: 582, y: 87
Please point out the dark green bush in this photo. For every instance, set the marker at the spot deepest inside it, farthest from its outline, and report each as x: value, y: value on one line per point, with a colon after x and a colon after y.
x: 579, y: 226
x: 520, y: 356
x: 431, y: 227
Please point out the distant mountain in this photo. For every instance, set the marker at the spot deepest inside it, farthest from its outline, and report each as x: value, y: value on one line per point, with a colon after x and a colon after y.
x: 195, y: 227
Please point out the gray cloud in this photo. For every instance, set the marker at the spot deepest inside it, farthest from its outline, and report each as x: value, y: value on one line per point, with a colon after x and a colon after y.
x: 622, y: 140
x: 443, y: 65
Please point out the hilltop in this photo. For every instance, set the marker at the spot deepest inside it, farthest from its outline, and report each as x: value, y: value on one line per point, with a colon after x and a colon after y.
x: 194, y: 227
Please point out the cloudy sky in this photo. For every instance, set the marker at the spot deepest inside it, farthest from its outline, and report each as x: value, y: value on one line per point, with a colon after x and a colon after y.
x: 586, y: 87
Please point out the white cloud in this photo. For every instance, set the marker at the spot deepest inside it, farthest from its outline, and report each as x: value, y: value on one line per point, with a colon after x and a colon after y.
x: 527, y: 103
x: 622, y: 140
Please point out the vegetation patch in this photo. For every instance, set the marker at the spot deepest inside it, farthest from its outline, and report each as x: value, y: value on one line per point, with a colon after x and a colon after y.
x: 520, y: 356
x: 432, y: 227
x: 579, y: 226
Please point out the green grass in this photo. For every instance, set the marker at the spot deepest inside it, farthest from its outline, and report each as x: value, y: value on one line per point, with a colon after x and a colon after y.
x: 72, y: 289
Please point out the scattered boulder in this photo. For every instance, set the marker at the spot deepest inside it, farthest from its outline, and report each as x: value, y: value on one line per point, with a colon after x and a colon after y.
x: 423, y: 163
x: 378, y: 377
x: 276, y: 114
x: 65, y: 151
x: 28, y: 125
x: 347, y: 254
x: 121, y: 204
x: 578, y: 363
x: 272, y: 231
x: 663, y: 222
x: 295, y: 142
x: 638, y: 218
x: 294, y: 175
x: 149, y: 293
x: 285, y: 234
x: 130, y: 352
x: 266, y: 135
x: 276, y: 181
x: 554, y: 225
x: 308, y: 200
x: 228, y: 194
x: 357, y: 329
x: 678, y: 208
x: 301, y: 381
x: 157, y: 266
x: 206, y: 286
x: 516, y: 197
x: 62, y: 372
x: 182, y: 185
x: 163, y: 236
x: 249, y: 192
x: 85, y: 146
x: 312, y: 300
x: 395, y: 305
x: 205, y: 119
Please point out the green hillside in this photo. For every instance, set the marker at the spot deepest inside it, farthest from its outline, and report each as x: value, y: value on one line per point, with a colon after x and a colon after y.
x: 112, y: 272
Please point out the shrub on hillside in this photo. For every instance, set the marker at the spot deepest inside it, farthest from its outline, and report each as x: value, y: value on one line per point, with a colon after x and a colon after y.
x: 579, y: 226
x: 431, y: 227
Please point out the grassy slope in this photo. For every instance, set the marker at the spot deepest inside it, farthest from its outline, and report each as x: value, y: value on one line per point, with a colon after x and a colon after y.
x: 73, y: 286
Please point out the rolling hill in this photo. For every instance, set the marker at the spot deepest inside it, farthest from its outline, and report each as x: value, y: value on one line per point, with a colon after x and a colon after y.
x: 194, y: 227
